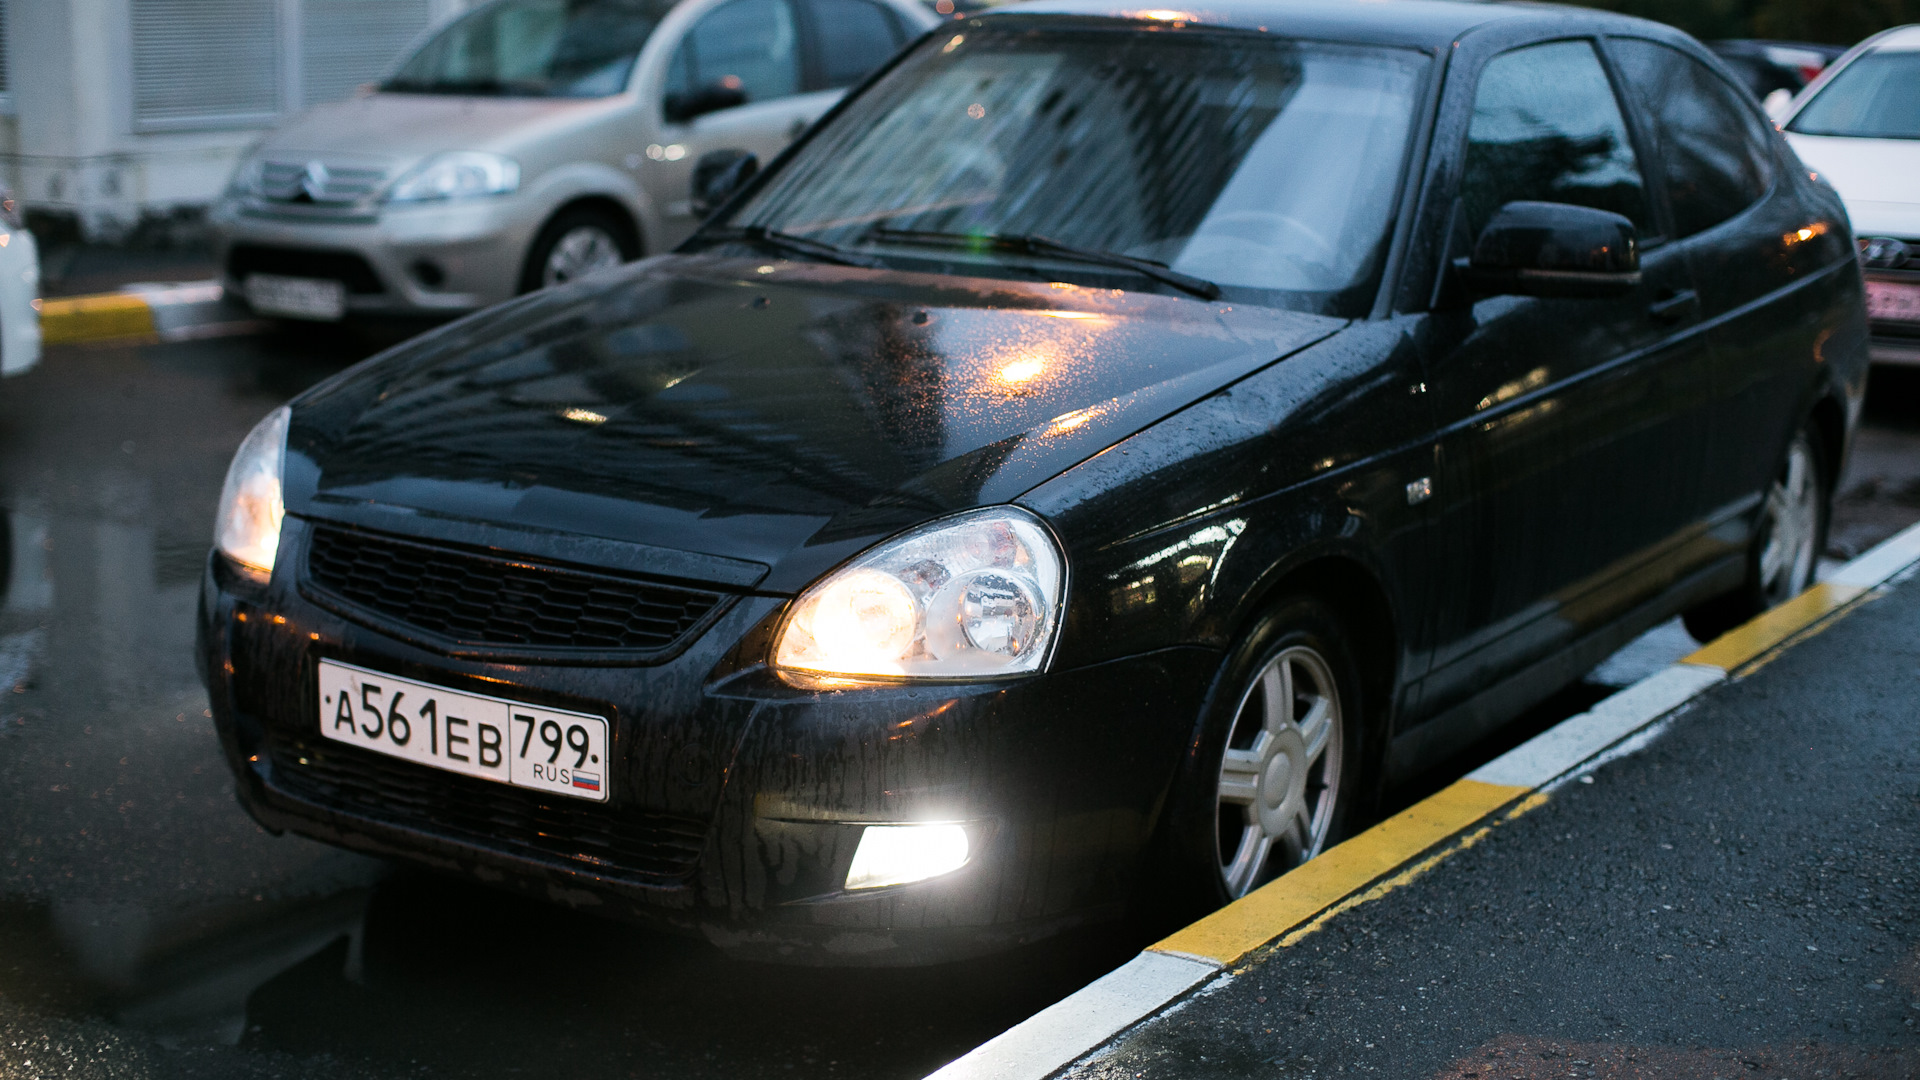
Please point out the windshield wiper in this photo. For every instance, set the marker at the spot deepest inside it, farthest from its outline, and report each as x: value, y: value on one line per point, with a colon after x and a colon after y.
x: 1030, y: 244
x: 787, y: 242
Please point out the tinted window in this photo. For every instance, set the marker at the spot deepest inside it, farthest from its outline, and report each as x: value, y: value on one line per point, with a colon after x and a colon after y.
x: 534, y: 48
x: 1546, y: 127
x: 750, y: 45
x: 1875, y: 97
x: 856, y: 36
x: 1714, y: 148
x: 1267, y: 166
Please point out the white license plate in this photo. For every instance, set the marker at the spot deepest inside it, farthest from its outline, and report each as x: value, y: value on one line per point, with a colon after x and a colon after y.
x: 492, y: 738
x: 1893, y: 301
x: 297, y: 297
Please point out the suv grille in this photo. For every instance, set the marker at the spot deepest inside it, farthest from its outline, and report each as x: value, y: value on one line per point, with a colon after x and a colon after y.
x: 315, y: 182
x: 473, y: 599
x: 604, y: 840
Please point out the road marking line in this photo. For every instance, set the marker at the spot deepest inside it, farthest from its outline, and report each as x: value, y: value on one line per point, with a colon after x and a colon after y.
x: 1388, y: 855
x: 94, y: 318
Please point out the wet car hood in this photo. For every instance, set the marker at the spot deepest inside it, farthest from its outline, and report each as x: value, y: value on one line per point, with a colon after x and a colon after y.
x: 775, y: 414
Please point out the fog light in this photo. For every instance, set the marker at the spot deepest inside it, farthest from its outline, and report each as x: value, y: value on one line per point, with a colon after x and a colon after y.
x: 897, y: 854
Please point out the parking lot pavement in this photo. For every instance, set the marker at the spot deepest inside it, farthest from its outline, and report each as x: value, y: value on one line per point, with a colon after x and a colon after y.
x: 1741, y: 898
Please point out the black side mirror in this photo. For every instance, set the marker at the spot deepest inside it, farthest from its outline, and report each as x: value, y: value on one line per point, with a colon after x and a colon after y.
x: 1554, y: 250
x: 717, y: 175
x: 682, y: 107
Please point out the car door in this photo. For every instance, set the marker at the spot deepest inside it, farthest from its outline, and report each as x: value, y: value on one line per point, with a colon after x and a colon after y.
x: 755, y: 47
x: 1571, y: 431
x: 1749, y: 237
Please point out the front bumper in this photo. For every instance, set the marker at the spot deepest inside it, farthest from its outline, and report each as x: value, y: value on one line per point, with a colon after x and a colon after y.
x: 431, y: 259
x: 736, y: 800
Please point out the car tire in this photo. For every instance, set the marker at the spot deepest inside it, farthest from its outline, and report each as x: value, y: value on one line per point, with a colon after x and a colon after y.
x: 1263, y: 789
x: 1786, y: 546
x: 578, y: 242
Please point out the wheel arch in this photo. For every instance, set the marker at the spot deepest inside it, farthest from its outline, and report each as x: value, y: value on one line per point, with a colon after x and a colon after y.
x: 1358, y: 598
x: 610, y: 206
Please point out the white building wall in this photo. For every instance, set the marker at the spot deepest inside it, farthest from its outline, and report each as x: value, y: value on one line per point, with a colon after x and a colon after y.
x: 130, y: 109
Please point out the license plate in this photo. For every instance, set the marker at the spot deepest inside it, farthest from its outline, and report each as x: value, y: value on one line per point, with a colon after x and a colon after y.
x: 551, y: 750
x: 297, y: 297
x: 1893, y: 301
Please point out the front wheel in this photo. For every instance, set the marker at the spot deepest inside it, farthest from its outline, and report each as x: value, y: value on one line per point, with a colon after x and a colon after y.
x: 577, y: 243
x: 1786, y: 545
x: 1275, y: 773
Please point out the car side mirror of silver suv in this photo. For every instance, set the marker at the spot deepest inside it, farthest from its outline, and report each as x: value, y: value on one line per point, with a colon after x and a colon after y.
x: 1553, y: 250
x: 718, y: 175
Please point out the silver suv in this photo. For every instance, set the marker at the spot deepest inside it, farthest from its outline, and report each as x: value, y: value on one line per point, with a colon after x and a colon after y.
x: 530, y: 142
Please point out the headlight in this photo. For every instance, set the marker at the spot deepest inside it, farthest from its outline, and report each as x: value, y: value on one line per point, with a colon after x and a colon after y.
x: 247, y: 529
x: 458, y: 175
x: 971, y: 596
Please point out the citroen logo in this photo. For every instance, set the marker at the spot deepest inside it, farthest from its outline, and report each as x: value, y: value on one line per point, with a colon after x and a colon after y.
x: 314, y: 181
x: 1884, y: 252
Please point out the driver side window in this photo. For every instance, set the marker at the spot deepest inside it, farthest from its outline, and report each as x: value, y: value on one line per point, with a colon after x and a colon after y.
x: 749, y: 46
x: 1546, y: 128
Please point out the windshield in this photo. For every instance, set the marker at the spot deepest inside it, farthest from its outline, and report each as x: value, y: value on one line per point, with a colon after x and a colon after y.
x: 1264, y: 166
x: 534, y: 48
x: 1875, y: 97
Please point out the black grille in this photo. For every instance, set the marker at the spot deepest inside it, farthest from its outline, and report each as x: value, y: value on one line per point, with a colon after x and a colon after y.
x: 473, y: 599
x: 346, y: 267
x: 605, y: 840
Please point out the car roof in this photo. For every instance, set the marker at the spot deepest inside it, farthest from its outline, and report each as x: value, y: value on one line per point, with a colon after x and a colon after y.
x: 1899, y: 39
x: 1431, y: 24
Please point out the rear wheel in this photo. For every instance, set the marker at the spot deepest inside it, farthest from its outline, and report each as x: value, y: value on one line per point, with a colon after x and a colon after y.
x: 1786, y: 545
x: 1277, y: 768
x: 577, y: 243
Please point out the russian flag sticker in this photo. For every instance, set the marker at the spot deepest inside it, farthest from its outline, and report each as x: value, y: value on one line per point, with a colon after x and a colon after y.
x: 586, y: 781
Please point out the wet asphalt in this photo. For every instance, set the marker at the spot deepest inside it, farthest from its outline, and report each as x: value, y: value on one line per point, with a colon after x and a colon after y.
x: 149, y: 929
x: 1740, y: 899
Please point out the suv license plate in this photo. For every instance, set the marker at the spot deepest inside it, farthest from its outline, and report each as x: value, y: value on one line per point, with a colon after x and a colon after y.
x: 550, y: 750
x: 1893, y: 301
x: 318, y: 299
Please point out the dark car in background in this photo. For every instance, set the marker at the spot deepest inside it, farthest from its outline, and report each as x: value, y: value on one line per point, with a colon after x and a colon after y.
x: 1082, y: 473
x: 1767, y: 67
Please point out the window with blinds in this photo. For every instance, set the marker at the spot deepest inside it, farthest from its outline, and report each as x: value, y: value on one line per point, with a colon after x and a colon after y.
x: 344, y: 43
x: 241, y: 63
x: 6, y: 76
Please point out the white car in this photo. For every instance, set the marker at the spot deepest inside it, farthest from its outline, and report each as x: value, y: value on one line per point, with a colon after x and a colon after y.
x: 1858, y: 128
x: 19, y: 292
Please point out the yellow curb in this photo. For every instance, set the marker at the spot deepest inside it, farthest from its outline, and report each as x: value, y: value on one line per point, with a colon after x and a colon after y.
x: 94, y: 318
x: 1298, y: 896
x: 1742, y: 644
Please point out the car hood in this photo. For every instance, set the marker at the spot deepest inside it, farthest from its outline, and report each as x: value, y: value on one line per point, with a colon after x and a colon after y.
x: 770, y: 414
x: 1879, y: 179
x: 404, y: 128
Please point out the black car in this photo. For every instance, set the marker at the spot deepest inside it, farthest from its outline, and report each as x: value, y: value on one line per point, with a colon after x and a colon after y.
x: 1767, y: 66
x: 1081, y: 473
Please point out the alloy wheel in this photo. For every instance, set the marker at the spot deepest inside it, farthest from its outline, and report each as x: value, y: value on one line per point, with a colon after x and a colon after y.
x: 1280, y: 774
x: 581, y: 250
x: 1793, y: 527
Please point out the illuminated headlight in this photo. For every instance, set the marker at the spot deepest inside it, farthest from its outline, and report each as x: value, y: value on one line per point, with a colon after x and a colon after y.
x: 973, y: 596
x: 458, y: 175
x: 898, y: 854
x: 247, y: 529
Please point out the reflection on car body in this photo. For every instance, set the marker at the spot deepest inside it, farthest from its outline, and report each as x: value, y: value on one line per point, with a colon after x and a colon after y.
x: 1100, y: 457
x: 529, y: 143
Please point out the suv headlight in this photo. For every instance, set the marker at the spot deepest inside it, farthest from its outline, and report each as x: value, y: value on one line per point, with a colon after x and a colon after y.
x: 972, y: 596
x: 460, y: 174
x: 247, y: 529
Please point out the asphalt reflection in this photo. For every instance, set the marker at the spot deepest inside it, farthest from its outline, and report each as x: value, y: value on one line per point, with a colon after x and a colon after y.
x: 142, y: 914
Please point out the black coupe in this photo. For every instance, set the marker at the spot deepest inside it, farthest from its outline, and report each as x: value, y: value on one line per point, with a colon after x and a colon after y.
x: 1083, y: 471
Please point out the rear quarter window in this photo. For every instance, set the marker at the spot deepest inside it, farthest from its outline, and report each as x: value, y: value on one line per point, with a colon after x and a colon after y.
x: 1715, y: 153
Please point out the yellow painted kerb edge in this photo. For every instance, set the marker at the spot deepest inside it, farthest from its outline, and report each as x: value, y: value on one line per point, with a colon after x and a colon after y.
x: 1738, y: 646
x: 1297, y: 897
x: 95, y: 318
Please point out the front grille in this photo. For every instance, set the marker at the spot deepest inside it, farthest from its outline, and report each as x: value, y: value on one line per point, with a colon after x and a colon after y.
x: 605, y: 840
x: 317, y: 182
x: 471, y: 599
x: 346, y: 267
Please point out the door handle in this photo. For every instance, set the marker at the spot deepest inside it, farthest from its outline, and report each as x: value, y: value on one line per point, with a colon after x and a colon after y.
x: 1673, y: 306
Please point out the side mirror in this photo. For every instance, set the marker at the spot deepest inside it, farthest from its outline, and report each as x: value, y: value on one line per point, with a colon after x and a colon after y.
x: 680, y: 108
x: 1554, y: 250
x: 717, y: 175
